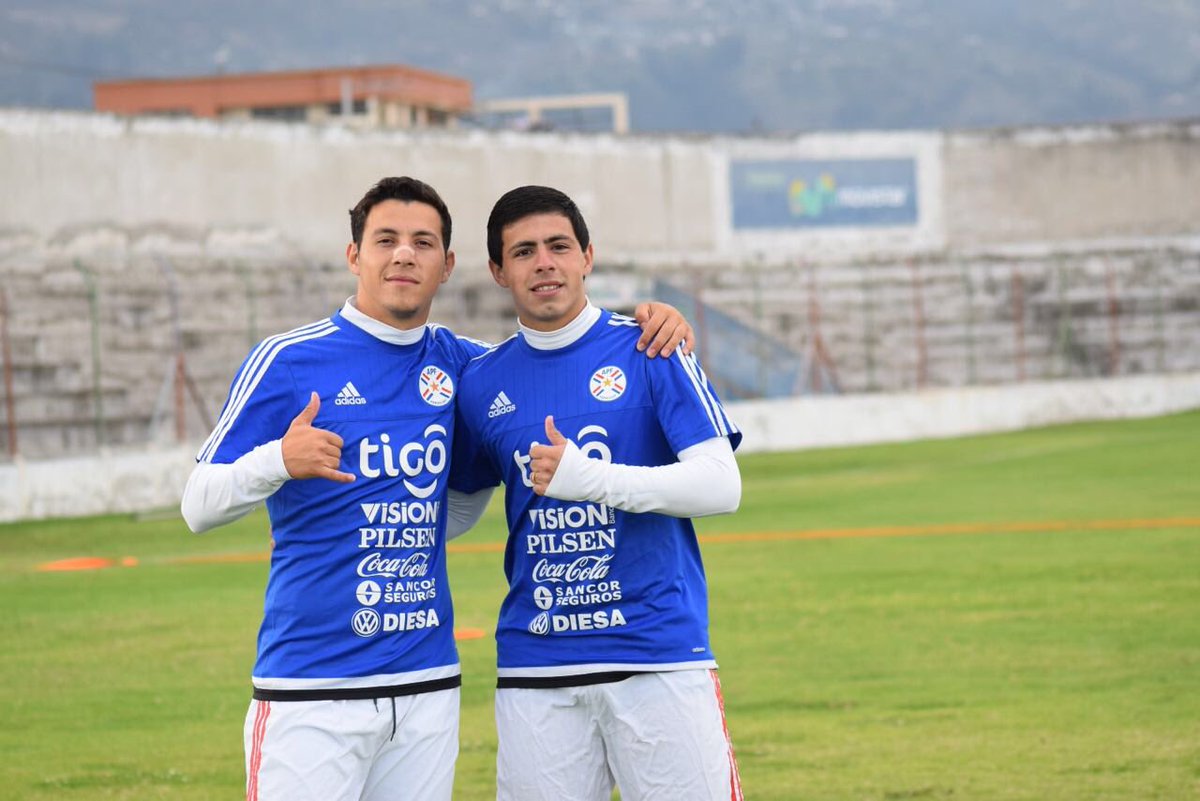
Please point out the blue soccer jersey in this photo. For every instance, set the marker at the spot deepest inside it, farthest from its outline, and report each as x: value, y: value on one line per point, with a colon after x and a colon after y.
x: 357, y: 597
x: 592, y: 589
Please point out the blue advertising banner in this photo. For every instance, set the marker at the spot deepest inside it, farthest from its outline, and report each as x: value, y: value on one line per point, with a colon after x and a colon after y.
x: 818, y: 194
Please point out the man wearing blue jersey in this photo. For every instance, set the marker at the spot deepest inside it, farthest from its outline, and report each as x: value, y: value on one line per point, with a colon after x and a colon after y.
x: 605, y: 669
x: 344, y: 428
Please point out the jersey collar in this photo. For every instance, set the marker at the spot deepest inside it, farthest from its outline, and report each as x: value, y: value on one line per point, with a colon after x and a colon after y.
x: 395, y: 336
x: 567, y: 335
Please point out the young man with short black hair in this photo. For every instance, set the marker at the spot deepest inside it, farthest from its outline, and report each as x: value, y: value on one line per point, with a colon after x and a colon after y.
x: 605, y: 669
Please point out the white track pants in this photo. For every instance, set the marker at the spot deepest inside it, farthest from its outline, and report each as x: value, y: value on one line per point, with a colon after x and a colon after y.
x: 347, y: 751
x: 659, y: 736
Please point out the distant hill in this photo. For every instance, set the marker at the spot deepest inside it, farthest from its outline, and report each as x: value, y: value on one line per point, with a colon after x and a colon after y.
x: 733, y: 66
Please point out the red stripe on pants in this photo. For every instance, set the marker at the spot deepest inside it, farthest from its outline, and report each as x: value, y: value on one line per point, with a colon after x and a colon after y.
x: 261, y: 713
x: 735, y: 778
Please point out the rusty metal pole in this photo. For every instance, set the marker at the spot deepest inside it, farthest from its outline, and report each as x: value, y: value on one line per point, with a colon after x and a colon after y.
x: 701, y: 323
x: 1018, y: 295
x: 1114, y: 310
x: 180, y: 399
x: 9, y: 404
x: 93, y: 290
x: 868, y: 307
x: 180, y: 385
x: 919, y: 324
x: 814, y: 332
x: 821, y: 356
x: 969, y: 324
x: 1160, y: 329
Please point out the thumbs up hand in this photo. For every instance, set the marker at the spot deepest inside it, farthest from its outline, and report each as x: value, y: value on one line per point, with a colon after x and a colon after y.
x: 544, y: 459
x: 311, y: 452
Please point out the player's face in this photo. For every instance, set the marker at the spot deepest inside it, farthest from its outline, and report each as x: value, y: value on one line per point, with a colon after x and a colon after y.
x: 544, y: 267
x: 400, y: 264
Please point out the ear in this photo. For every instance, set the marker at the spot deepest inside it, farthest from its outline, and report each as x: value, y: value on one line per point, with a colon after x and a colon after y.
x: 498, y: 274
x: 352, y: 257
x: 449, y: 268
x: 589, y: 256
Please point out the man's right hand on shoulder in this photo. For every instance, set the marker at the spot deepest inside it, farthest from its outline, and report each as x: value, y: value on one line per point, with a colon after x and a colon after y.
x: 311, y: 452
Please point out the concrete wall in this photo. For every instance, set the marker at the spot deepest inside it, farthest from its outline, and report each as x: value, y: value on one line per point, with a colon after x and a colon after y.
x: 649, y: 200
x: 1091, y: 183
x: 129, y: 242
x: 122, y: 481
x: 836, y: 421
x: 294, y: 183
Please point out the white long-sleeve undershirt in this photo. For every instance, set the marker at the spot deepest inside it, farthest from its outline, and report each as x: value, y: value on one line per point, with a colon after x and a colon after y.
x: 705, y: 480
x: 217, y: 494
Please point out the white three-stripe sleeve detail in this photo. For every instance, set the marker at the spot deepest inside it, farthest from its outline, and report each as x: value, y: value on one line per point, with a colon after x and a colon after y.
x: 248, y: 380
x: 706, y: 400
x: 263, y: 350
x: 726, y: 425
x: 256, y: 367
x: 238, y: 390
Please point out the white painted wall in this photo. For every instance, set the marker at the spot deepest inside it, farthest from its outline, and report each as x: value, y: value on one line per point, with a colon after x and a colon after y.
x: 840, y: 420
x: 1064, y: 184
x: 648, y: 200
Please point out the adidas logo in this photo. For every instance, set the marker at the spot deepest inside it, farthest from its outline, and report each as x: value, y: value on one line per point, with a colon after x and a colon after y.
x: 501, y: 405
x: 348, y: 396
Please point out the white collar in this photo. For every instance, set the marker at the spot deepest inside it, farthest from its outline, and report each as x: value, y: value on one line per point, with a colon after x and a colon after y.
x: 379, y: 330
x: 554, y: 340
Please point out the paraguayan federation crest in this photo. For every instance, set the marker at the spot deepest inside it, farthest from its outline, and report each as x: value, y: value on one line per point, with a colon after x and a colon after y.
x: 437, y: 387
x: 607, y: 384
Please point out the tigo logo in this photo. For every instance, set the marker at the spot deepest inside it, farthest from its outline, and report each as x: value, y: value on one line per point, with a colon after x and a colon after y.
x: 349, y: 396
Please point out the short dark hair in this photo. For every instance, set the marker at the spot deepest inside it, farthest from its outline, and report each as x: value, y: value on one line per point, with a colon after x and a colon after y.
x: 523, y: 201
x: 406, y: 190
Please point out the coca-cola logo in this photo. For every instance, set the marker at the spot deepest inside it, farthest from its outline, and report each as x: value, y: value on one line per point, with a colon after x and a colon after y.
x: 585, y: 568
x: 376, y: 565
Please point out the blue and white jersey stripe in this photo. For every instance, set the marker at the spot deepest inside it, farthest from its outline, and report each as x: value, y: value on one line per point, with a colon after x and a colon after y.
x: 716, y: 412
x: 479, y: 343
x: 252, y: 371
x: 493, y: 348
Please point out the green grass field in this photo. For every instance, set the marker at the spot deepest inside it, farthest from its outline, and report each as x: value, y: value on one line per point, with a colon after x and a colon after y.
x: 1055, y: 660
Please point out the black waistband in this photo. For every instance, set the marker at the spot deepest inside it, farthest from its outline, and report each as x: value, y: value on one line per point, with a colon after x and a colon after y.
x: 358, y: 693
x: 577, y: 680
